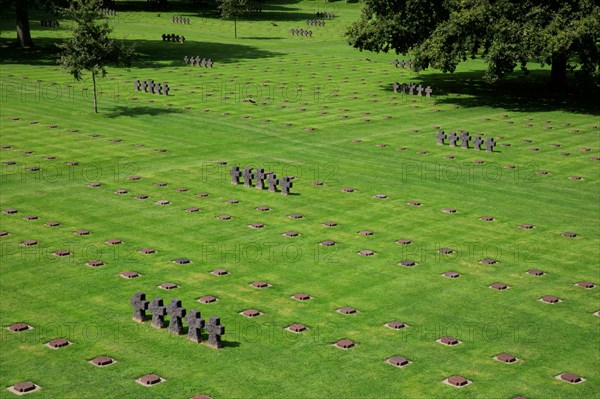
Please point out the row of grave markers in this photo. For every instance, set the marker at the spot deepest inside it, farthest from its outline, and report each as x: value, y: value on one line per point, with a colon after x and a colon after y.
x: 326, y: 15
x: 173, y: 38
x: 260, y: 175
x: 180, y: 20
x: 301, y: 32
x: 315, y: 22
x: 151, y: 87
x: 49, y: 23
x: 411, y: 89
x: 199, y: 62
x: 402, y: 63
x: 464, y: 139
x: 176, y: 316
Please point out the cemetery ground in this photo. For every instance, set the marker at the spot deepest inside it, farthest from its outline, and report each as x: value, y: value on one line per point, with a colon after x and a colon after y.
x: 321, y: 112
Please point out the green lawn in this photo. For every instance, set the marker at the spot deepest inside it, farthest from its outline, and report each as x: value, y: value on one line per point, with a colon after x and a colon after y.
x: 308, y: 83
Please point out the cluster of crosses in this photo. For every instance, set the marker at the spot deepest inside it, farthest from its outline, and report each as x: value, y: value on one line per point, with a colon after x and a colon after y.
x: 151, y: 87
x: 301, y: 32
x: 326, y: 15
x: 180, y: 20
x: 49, y: 23
x: 464, y: 138
x: 254, y: 8
x: 108, y: 11
x: 315, y: 22
x: 410, y: 88
x: 176, y: 316
x: 401, y: 64
x: 260, y: 175
x: 173, y: 38
x: 197, y: 61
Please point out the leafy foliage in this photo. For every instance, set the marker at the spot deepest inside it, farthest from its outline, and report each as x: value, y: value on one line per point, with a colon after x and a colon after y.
x: 507, y: 33
x: 233, y: 9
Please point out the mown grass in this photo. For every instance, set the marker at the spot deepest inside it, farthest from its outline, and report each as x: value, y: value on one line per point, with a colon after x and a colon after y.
x: 61, y: 297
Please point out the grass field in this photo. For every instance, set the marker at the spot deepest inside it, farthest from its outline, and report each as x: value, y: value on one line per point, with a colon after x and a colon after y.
x: 300, y: 84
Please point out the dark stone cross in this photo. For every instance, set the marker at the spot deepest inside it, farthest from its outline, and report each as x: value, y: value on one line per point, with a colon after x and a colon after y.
x: 441, y: 136
x: 215, y: 330
x: 248, y: 176
x: 404, y: 88
x: 396, y: 63
x: 260, y: 176
x: 151, y: 86
x: 195, y: 324
x: 140, y: 305
x: 144, y: 86
x: 159, y: 311
x: 428, y: 91
x: 396, y: 86
x: 176, y: 312
x: 419, y: 90
x: 158, y: 89
x: 166, y: 89
x: 186, y: 59
x: 402, y: 64
x: 464, y: 140
x: 453, y: 139
x: 286, y: 185
x: 235, y: 175
x: 490, y: 144
x: 409, y: 64
x: 273, y: 182
x: 477, y: 143
x: 137, y: 85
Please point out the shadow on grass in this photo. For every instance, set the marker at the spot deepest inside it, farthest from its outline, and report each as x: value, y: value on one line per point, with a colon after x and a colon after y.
x: 134, y: 110
x: 516, y: 93
x: 148, y: 53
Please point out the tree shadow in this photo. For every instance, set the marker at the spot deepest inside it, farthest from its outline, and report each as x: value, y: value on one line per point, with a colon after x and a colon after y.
x: 134, y: 110
x: 45, y: 52
x: 517, y: 93
x: 156, y: 53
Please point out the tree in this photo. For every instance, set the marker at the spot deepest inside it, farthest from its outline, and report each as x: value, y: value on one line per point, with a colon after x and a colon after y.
x: 506, y: 33
x: 233, y: 9
x: 91, y: 48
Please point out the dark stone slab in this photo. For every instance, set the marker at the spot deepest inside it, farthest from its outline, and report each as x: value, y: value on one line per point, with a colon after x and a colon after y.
x: 366, y: 252
x: 149, y: 379
x: 168, y: 286
x: 114, y: 241
x: 397, y: 361
x: 451, y: 274
x: 52, y: 224
x: 486, y: 218
x: 28, y: 243
x: 448, y: 340
x: 585, y: 284
x: 81, y: 232
x: 18, y: 327
x: 488, y: 261
x: 301, y: 297
x: 30, y: 217
x: 58, y: 343
x: 296, y: 328
x: 535, y: 272
x: 407, y: 262
x: 499, y: 286
x: 147, y: 251
x: 121, y: 191
x: 395, y: 325
x: 330, y: 224
x: 404, y: 242
x: 506, y: 358
x: 344, y: 344
x: 62, y: 252
x: 101, y: 361
x: 457, y: 381
x: 260, y: 284
x: 129, y: 274
x: 219, y: 272
x: 550, y: 299
x: 207, y: 299
x: 24, y: 387
x: 570, y: 377
x: 346, y: 310
x: 94, y: 263
x: 250, y: 313
x: 181, y: 261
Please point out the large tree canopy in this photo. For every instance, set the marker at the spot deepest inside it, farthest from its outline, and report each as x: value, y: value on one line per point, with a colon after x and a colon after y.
x: 506, y: 33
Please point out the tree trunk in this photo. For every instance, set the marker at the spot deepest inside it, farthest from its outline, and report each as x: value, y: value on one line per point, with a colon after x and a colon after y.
x: 235, y: 27
x: 23, y: 34
x: 95, y: 100
x: 558, y: 75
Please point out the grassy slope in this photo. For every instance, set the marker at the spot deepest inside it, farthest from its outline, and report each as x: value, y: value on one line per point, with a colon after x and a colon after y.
x: 62, y: 297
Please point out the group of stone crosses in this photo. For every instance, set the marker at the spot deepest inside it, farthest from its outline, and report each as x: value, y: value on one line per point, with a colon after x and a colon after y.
x: 176, y: 316
x: 301, y: 32
x: 315, y: 22
x: 197, y: 61
x: 326, y: 15
x: 260, y: 175
x: 151, y: 87
x: 49, y: 23
x: 173, y: 38
x: 109, y: 12
x: 464, y: 138
x: 410, y: 89
x: 402, y: 64
x: 180, y: 20
x: 254, y: 9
